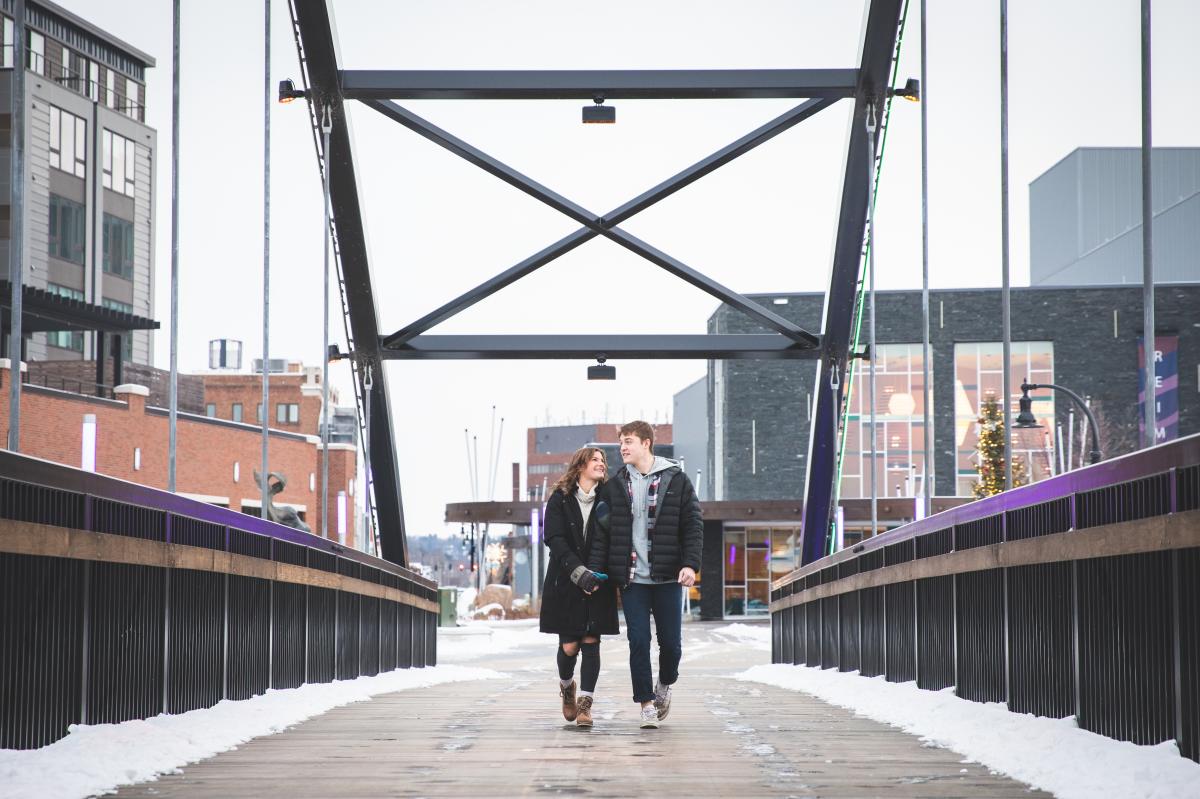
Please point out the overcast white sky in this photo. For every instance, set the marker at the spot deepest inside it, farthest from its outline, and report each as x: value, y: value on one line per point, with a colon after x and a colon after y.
x: 765, y: 223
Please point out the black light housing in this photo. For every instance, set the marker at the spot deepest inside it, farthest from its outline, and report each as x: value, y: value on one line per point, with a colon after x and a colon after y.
x: 599, y: 114
x: 1025, y: 419
x: 911, y: 90
x: 600, y: 371
x: 289, y: 92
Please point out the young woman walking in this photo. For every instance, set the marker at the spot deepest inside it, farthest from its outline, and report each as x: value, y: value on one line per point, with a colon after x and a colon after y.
x: 576, y: 605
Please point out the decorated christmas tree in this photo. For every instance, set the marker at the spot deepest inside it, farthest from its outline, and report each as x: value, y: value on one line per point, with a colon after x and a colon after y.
x: 990, y: 456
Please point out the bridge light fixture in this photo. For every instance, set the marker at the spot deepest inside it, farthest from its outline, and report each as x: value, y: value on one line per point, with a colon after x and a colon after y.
x: 289, y: 92
x: 600, y: 371
x: 599, y: 114
x: 910, y: 92
x: 1025, y: 419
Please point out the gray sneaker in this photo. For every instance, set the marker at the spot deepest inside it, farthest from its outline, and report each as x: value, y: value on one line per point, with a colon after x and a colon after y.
x: 662, y: 700
x: 649, y: 717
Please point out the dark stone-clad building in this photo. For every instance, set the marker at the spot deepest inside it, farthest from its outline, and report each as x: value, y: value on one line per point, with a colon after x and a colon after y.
x: 1084, y: 338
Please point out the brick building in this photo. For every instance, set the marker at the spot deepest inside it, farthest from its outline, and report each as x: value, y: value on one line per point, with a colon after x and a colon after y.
x: 216, y: 458
x: 549, y: 449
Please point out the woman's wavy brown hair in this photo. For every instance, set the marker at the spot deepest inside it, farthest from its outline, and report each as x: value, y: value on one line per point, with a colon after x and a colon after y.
x: 579, y: 460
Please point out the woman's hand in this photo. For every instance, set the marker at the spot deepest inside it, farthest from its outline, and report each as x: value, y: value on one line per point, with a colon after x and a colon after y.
x: 586, y: 579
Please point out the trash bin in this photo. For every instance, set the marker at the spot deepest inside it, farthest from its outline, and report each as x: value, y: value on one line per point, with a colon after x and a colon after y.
x: 447, y: 606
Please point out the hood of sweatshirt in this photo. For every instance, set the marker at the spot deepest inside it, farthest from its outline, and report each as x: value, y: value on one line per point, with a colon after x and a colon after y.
x: 661, y: 464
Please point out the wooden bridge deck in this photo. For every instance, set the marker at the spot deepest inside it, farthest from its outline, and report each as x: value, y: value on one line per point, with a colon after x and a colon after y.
x: 506, y: 738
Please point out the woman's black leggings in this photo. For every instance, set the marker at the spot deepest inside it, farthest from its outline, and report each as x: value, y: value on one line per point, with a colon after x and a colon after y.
x: 590, y: 672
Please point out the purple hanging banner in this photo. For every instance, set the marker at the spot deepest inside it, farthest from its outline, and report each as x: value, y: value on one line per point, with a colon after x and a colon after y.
x: 1166, y: 391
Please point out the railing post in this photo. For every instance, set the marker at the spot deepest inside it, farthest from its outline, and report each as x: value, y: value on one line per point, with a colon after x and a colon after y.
x: 86, y: 648
x: 1075, y: 666
x: 1176, y: 634
x: 166, y: 666
x: 270, y: 616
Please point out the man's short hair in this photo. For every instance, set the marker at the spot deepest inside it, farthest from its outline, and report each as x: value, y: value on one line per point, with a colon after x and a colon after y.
x: 640, y: 429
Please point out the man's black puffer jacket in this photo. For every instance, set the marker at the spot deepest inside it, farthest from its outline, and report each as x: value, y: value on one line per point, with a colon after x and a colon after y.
x: 677, y: 539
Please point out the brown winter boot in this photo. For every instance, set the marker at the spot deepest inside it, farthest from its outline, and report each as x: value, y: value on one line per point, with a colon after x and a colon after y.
x: 583, y: 712
x: 568, y: 701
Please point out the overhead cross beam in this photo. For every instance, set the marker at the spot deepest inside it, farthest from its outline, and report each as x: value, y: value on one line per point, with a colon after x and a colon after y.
x: 698, y: 84
x: 605, y: 225
x: 523, y: 347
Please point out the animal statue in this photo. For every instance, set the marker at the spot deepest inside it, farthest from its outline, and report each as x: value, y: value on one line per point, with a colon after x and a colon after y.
x: 285, y: 516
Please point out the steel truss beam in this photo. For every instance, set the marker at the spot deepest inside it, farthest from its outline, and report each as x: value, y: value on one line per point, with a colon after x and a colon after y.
x: 520, y: 347
x: 321, y: 62
x: 600, y: 225
x: 706, y: 84
x: 883, y: 24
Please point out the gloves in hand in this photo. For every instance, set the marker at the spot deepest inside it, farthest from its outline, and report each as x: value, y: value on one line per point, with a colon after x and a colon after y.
x: 585, y: 579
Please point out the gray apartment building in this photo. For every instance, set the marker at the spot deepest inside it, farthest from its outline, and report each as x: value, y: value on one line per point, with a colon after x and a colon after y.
x: 88, y: 216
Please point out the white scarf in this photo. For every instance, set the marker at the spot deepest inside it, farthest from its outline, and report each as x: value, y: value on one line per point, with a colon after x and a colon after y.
x: 585, y: 500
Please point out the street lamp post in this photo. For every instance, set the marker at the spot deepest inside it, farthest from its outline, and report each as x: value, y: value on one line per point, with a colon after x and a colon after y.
x: 1027, y: 421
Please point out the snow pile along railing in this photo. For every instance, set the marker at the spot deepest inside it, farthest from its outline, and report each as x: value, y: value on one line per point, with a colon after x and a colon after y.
x: 119, y: 602
x: 1074, y: 596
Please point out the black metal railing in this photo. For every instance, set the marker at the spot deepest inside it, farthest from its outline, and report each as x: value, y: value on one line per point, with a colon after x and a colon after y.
x: 1099, y: 622
x: 91, y: 634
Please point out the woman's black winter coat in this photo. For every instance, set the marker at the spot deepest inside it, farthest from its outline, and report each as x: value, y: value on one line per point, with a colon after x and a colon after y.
x: 566, y: 609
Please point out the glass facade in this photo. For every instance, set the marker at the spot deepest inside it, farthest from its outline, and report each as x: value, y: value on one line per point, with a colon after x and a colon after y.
x: 753, y: 557
x: 978, y: 376
x: 899, y: 436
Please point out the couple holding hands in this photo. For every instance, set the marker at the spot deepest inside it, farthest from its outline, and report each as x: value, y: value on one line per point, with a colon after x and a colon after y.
x: 639, y: 533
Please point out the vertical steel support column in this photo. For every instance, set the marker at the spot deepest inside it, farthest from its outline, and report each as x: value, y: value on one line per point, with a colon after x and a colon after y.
x: 173, y: 389
x: 326, y: 127
x: 266, y: 302
x: 16, y: 259
x: 927, y: 486
x: 1005, y: 288
x: 878, y: 48
x: 1150, y: 417
x: 872, y: 127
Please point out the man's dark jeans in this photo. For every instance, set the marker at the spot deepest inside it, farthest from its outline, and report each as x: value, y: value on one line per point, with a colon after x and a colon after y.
x: 665, y: 602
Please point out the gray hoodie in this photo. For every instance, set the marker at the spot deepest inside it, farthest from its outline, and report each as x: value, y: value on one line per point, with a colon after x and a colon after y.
x: 640, y: 484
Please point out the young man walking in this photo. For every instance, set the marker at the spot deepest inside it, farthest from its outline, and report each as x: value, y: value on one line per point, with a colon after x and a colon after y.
x: 649, y: 536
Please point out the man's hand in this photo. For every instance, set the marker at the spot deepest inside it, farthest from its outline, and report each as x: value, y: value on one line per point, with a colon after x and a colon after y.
x: 687, y: 577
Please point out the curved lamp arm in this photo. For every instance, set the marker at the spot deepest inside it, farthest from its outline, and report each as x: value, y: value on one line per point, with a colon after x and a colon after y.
x: 1095, y: 454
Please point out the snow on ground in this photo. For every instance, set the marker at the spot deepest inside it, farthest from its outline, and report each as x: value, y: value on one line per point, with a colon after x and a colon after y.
x: 756, y: 636
x: 1051, y: 754
x: 483, y: 639
x: 97, y: 758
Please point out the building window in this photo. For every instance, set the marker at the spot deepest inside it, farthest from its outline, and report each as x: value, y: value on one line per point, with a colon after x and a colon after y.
x: 93, y: 81
x: 258, y: 412
x: 132, y: 106
x: 899, y: 439
x: 68, y: 142
x: 237, y: 411
x: 66, y: 229
x: 751, y: 559
x: 6, y: 60
x: 37, y: 52
x: 978, y: 376
x: 287, y: 413
x: 118, y: 163
x: 210, y: 410
x: 126, y: 338
x: 118, y: 246
x: 110, y: 90
x: 65, y: 339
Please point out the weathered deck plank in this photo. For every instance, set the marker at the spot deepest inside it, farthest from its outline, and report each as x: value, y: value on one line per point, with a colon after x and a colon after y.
x: 505, y: 738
